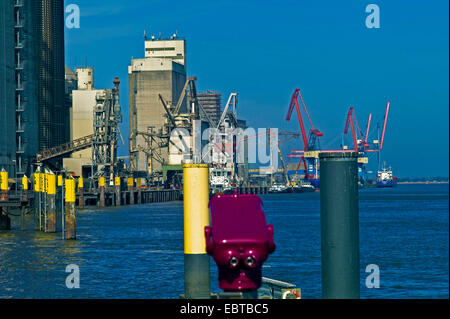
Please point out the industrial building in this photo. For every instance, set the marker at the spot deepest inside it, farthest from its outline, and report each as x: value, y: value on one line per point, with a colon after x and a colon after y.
x: 7, y: 87
x: 81, y: 115
x: 161, y: 72
x: 92, y: 112
x: 31, y: 80
x: 211, y: 103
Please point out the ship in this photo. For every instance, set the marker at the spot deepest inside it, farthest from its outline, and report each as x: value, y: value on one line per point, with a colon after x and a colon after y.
x: 385, y: 178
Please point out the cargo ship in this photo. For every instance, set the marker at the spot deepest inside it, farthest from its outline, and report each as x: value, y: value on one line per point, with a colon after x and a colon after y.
x: 385, y: 178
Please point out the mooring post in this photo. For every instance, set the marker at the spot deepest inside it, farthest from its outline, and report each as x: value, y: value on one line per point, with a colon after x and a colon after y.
x: 70, y: 209
x: 101, y: 184
x: 61, y: 184
x: 138, y: 186
x: 130, y: 184
x: 51, y: 200
x: 24, y: 188
x: 196, y: 217
x: 24, y: 198
x: 36, y: 202
x: 5, y: 221
x: 44, y: 200
x: 81, y: 193
x: 3, y: 185
x: 339, y: 219
x: 117, y: 186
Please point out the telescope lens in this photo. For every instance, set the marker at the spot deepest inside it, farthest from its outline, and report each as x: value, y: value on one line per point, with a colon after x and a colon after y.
x: 250, y: 261
x: 233, y: 261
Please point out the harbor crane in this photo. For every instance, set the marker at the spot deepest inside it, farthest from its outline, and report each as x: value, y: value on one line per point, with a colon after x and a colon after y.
x: 311, y: 141
x: 361, y: 143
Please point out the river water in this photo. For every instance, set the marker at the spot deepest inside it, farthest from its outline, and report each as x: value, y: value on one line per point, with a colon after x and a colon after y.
x: 137, y: 251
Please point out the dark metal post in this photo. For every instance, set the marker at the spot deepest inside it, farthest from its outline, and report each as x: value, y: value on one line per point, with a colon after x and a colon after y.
x: 339, y: 219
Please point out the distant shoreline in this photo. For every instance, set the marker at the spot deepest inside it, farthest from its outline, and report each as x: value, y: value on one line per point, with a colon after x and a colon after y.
x: 422, y: 182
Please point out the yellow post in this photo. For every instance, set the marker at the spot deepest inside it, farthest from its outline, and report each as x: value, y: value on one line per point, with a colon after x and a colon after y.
x: 70, y: 209
x: 25, y: 182
x: 37, y: 199
x: 138, y: 186
x: 60, y: 180
x: 51, y: 199
x: 196, y: 217
x: 101, y: 184
x: 130, y: 185
x: 36, y: 181
x: 130, y: 182
x: 118, y: 195
x: 5, y: 221
x: 4, y: 185
x: 80, y: 183
x: 81, y: 193
x: 24, y: 188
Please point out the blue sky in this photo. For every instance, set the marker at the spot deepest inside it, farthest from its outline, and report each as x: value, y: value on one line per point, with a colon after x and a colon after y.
x: 265, y: 50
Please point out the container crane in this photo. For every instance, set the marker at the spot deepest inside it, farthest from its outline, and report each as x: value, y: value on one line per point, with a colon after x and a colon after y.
x: 311, y: 141
x: 359, y: 144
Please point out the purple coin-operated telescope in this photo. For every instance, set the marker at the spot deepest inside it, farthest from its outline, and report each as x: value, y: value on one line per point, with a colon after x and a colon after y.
x: 239, y: 240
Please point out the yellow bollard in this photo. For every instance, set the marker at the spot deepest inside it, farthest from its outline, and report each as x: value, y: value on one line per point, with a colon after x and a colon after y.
x: 130, y: 185
x: 25, y: 183
x: 3, y: 185
x: 196, y: 217
x: 138, y: 186
x: 81, y: 193
x: 101, y: 184
x: 70, y: 209
x: 117, y: 186
x: 37, y: 199
x: 130, y: 182
x: 51, y: 200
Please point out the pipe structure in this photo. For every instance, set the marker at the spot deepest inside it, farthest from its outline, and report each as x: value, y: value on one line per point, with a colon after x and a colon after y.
x: 70, y: 209
x: 196, y: 217
x: 339, y: 220
x: 51, y: 202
